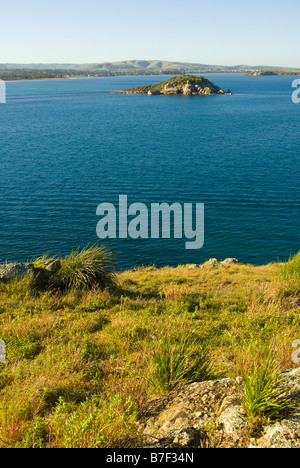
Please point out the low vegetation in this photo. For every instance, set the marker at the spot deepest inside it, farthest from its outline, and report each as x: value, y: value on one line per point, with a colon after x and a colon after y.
x: 291, y: 270
x: 83, y: 363
x: 263, y: 395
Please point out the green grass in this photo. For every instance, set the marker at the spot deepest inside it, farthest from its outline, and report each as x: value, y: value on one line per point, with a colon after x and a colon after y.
x: 180, y: 363
x: 84, y: 363
x: 263, y: 395
x: 291, y: 270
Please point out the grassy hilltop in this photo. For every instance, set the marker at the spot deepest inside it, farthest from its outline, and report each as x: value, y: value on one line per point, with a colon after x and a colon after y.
x: 83, y: 363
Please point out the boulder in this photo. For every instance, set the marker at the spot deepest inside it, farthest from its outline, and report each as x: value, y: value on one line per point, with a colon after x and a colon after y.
x: 213, y: 263
x: 9, y: 271
x: 181, y: 419
x: 207, y: 91
x: 184, y: 438
x: 170, y: 88
x: 233, y: 421
x: 189, y: 409
x: 46, y: 276
x: 230, y: 261
x: 283, y: 434
x: 188, y: 89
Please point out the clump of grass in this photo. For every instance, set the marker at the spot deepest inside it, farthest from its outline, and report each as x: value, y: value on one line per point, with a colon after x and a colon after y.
x: 91, y: 266
x: 180, y: 362
x: 291, y: 270
x: 263, y: 393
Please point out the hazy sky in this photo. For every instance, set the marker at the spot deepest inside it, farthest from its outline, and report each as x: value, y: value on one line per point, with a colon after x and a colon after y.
x: 254, y: 32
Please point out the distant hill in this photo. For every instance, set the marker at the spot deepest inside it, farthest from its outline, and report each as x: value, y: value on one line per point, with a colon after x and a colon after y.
x: 15, y: 71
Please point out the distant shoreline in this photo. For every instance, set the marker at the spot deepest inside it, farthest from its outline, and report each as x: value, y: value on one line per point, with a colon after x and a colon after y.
x: 49, y: 71
x: 274, y: 73
x: 45, y: 78
x: 69, y: 77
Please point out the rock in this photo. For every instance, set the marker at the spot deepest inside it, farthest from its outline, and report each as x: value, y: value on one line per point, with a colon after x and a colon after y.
x: 188, y: 89
x: 291, y: 378
x: 189, y: 437
x: 207, y: 91
x: 154, y: 93
x: 213, y: 262
x: 283, y: 434
x: 233, y: 421
x: 231, y: 400
x: 184, y: 438
x: 189, y: 408
x: 230, y: 261
x: 53, y: 266
x: 9, y: 271
x: 46, y: 276
x: 182, y: 418
x: 170, y: 89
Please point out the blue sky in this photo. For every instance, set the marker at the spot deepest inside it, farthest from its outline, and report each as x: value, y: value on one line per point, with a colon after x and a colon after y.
x: 231, y: 32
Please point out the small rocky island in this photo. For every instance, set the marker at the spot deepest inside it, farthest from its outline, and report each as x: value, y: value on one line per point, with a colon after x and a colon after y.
x: 188, y: 85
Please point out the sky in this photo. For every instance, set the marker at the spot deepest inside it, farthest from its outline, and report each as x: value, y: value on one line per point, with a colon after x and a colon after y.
x: 222, y: 32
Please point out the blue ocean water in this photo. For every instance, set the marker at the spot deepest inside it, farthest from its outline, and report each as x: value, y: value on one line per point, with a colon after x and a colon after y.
x: 69, y: 145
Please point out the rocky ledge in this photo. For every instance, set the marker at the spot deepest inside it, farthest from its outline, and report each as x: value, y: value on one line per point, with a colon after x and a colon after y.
x: 179, y: 86
x: 185, y: 418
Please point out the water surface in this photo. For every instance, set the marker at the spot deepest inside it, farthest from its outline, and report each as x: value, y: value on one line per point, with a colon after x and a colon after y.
x: 69, y: 145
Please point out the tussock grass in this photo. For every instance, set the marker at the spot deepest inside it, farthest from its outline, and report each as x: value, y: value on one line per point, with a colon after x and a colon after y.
x: 85, y: 268
x: 263, y: 395
x: 82, y: 269
x: 180, y: 363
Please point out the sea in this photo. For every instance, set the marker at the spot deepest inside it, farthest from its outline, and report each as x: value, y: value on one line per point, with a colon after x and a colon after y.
x: 67, y: 146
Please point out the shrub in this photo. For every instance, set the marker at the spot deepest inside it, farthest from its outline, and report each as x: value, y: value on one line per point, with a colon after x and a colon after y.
x: 88, y: 267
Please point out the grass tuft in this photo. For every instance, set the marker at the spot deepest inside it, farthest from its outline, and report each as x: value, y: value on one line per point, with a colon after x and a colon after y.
x: 263, y: 395
x: 180, y: 362
x: 86, y: 268
x: 291, y: 269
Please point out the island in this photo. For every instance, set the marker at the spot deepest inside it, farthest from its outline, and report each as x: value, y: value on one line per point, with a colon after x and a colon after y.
x: 187, y: 85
